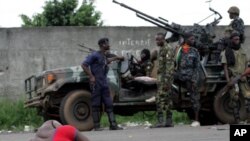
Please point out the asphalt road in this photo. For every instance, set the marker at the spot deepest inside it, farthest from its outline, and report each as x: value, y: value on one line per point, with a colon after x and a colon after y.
x: 177, y: 133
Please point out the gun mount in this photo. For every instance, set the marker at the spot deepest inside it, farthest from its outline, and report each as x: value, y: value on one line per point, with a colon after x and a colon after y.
x: 204, y: 34
x: 211, y: 78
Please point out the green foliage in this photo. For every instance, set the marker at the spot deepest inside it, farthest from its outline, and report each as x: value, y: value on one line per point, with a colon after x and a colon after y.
x: 64, y: 13
x: 13, y: 115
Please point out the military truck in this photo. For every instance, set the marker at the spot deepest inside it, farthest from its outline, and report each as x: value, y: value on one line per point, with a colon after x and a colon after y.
x: 64, y: 93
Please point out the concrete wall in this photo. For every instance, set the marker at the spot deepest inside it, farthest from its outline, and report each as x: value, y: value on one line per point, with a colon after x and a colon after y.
x: 27, y: 51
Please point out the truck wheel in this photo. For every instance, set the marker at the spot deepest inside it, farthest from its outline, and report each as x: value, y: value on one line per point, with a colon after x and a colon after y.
x: 75, y: 110
x: 223, y: 109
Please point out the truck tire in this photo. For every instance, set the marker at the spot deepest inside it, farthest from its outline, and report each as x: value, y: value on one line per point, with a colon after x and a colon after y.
x: 75, y: 110
x: 224, y: 111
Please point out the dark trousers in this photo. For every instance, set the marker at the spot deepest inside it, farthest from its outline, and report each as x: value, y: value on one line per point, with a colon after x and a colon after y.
x: 101, y: 94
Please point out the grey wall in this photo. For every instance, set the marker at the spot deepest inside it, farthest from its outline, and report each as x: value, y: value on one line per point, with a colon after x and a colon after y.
x: 27, y: 51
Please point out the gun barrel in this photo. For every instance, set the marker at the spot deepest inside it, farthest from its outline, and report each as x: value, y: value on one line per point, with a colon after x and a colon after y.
x: 84, y: 50
x: 158, y: 24
x: 90, y: 49
x: 143, y: 14
x: 163, y: 19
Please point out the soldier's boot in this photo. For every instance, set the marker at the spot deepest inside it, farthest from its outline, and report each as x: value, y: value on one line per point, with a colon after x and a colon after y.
x: 113, y: 124
x: 169, y: 121
x: 160, y: 121
x: 96, y: 118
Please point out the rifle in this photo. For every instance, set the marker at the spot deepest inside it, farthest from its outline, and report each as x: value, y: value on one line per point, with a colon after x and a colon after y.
x: 234, y: 81
x: 160, y: 22
x: 90, y: 50
x: 83, y: 46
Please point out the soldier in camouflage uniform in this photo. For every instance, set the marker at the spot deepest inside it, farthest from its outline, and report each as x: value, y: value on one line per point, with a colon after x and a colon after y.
x: 145, y: 63
x: 233, y: 60
x: 165, y: 72
x: 237, y: 23
x: 187, y: 65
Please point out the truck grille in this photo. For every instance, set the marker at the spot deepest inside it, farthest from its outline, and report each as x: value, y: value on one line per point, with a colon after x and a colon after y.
x: 39, y: 82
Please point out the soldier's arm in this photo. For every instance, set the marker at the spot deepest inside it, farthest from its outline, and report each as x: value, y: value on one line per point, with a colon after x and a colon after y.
x: 115, y: 58
x: 153, y: 55
x: 226, y: 72
x: 225, y: 67
x: 85, y: 66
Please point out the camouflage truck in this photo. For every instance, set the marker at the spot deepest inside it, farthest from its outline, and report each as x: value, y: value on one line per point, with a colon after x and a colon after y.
x: 64, y: 93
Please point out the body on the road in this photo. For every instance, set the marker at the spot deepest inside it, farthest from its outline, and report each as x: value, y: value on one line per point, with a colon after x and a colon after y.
x: 52, y: 130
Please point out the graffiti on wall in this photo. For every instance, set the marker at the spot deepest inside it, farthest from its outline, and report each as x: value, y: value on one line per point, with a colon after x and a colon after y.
x: 127, y: 52
x: 134, y: 43
x: 133, y: 46
x: 131, y: 42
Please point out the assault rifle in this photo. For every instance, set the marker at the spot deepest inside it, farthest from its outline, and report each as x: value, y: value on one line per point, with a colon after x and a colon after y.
x: 90, y: 50
x: 234, y: 81
x: 83, y: 47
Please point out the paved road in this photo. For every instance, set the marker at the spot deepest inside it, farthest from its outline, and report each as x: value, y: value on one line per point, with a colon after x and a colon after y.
x: 177, y: 133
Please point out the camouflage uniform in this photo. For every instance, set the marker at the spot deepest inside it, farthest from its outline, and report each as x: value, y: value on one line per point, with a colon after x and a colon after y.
x: 147, y: 67
x: 165, y: 80
x: 237, y: 69
x: 238, y: 25
x: 187, y: 70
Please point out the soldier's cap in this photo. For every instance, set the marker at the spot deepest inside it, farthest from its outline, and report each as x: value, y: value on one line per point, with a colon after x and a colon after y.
x: 103, y: 41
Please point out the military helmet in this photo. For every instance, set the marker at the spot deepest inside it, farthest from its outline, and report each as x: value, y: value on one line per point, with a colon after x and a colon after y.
x: 234, y: 10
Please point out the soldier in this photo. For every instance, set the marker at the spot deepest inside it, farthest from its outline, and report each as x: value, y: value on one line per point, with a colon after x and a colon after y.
x: 187, y: 65
x: 52, y: 130
x: 145, y: 63
x: 96, y: 67
x: 165, y: 72
x: 237, y: 23
x: 221, y: 45
x: 233, y: 60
